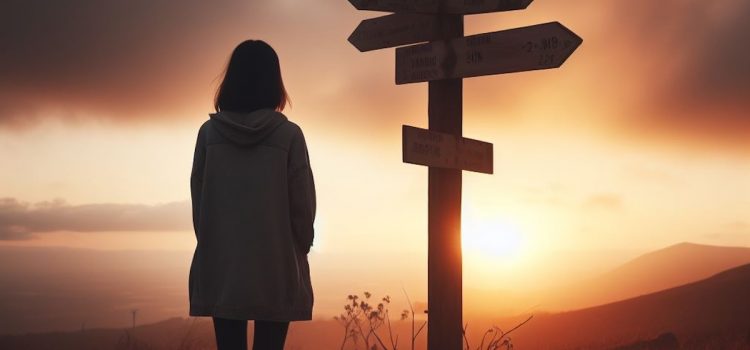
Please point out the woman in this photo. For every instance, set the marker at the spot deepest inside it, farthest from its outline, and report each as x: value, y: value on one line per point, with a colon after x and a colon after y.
x: 253, y: 208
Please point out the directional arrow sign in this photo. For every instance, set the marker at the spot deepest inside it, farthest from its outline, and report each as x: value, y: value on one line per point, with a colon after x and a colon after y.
x: 540, y: 46
x: 435, y: 149
x: 457, y: 7
x: 395, y: 30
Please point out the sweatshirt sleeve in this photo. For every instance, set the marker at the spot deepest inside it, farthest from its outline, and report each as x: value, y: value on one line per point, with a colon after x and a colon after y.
x: 196, y: 176
x: 302, y: 199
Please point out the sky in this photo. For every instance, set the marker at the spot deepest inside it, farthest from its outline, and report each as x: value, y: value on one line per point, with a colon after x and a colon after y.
x: 639, y: 141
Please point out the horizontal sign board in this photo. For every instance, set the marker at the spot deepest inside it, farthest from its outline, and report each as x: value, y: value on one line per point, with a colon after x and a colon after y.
x: 435, y: 149
x: 394, y: 30
x: 541, y: 46
x: 455, y: 7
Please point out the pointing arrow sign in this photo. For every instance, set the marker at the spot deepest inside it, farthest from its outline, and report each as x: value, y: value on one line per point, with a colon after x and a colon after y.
x: 535, y: 47
x: 436, y: 149
x: 395, y: 30
x: 458, y: 7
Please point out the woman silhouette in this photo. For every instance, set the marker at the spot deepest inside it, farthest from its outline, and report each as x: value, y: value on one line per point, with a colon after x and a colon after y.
x: 253, y: 201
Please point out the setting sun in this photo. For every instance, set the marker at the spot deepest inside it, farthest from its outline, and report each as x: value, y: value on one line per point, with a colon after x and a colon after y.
x: 493, y: 238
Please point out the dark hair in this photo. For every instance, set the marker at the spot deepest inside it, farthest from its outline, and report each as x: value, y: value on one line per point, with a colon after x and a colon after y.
x: 252, y: 80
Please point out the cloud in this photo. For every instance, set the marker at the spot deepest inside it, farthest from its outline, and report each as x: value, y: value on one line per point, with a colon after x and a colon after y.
x: 603, y: 201
x: 109, y: 59
x: 693, y: 79
x: 737, y: 225
x: 737, y: 231
x: 20, y: 220
x: 674, y: 70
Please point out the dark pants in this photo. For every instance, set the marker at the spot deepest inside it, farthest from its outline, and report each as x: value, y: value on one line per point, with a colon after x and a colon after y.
x: 232, y: 334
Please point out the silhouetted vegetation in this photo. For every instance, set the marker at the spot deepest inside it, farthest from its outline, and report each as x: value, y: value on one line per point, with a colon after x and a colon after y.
x: 494, y: 337
x: 361, y: 322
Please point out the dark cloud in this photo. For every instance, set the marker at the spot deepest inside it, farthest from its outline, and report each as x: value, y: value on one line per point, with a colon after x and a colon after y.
x: 676, y: 68
x: 20, y: 220
x: 76, y: 59
x: 694, y: 75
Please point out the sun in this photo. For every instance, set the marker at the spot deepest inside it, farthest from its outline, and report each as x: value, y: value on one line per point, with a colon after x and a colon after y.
x: 492, y: 238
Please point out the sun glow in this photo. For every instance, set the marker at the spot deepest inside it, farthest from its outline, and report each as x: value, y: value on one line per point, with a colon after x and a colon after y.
x: 492, y: 239
x: 493, y: 251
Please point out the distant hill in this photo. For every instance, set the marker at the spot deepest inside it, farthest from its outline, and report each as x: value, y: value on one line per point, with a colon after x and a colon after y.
x: 55, y: 288
x: 710, y: 314
x: 183, y: 334
x: 44, y: 289
x: 713, y: 313
x: 174, y: 333
x: 658, y: 270
x: 713, y: 309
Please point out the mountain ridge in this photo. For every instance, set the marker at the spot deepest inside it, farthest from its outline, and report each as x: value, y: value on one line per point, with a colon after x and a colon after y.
x: 657, y: 270
x: 713, y: 308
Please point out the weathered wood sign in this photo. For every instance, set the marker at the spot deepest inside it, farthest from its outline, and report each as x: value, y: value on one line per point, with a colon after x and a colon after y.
x: 443, y: 62
x: 541, y: 46
x: 394, y: 30
x: 456, y: 7
x: 436, y: 149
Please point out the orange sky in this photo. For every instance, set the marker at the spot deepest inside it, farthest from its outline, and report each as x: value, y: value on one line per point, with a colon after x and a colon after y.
x: 639, y: 141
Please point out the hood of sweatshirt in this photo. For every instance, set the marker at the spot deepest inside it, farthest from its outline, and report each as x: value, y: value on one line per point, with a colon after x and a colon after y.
x: 247, y: 128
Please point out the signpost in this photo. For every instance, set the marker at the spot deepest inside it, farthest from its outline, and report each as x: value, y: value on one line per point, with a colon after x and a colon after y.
x: 443, y: 62
x: 394, y: 30
x: 436, y: 149
x: 542, y: 46
x: 455, y: 7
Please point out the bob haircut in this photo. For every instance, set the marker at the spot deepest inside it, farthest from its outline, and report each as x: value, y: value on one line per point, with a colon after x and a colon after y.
x: 252, y: 80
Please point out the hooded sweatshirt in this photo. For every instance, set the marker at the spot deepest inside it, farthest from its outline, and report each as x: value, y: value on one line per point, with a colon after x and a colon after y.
x: 253, y: 199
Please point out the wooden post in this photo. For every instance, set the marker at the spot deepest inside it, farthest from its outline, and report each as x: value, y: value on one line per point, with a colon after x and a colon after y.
x: 443, y: 62
x: 444, y: 267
